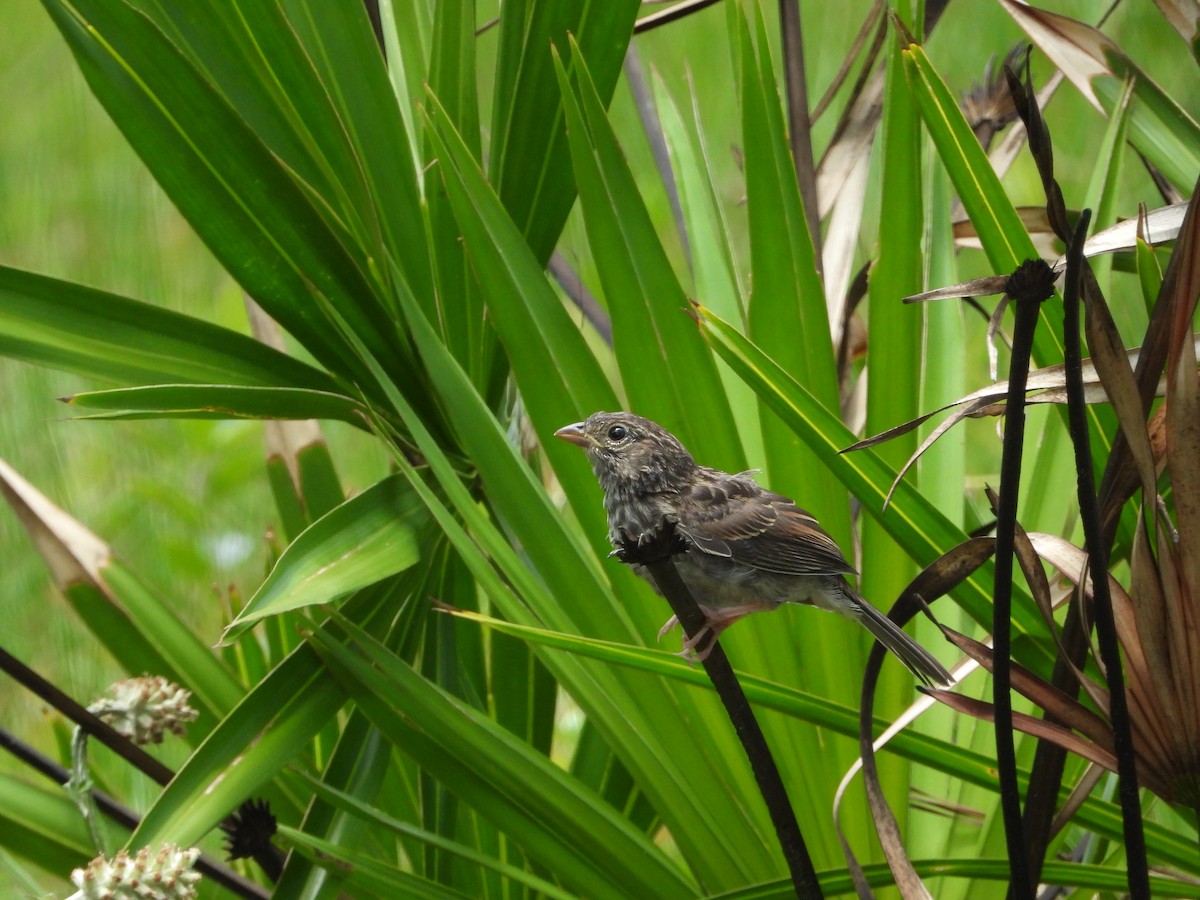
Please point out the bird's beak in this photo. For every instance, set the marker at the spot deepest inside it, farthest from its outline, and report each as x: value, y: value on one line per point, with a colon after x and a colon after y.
x: 574, y: 434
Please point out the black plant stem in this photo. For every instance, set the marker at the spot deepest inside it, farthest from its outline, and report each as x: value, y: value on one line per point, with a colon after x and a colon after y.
x: 1106, y: 629
x: 1028, y: 287
x: 799, y: 126
x: 670, y: 14
x: 655, y: 555
x: 39, y: 762
x: 269, y: 858
x: 221, y: 874
x: 85, y: 719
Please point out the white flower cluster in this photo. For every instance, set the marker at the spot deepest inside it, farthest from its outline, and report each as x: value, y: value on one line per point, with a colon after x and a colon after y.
x: 165, y: 875
x: 143, y: 708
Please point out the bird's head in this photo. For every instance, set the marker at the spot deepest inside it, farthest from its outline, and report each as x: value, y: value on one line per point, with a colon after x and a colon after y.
x: 630, y: 454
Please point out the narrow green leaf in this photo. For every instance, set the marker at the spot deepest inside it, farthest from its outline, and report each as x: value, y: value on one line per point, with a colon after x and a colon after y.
x: 407, y: 30
x: 319, y: 483
x: 1150, y: 275
x: 587, y: 844
x: 895, y: 362
x: 258, y: 220
x: 271, y: 728
x: 337, y: 41
x: 713, y: 270
x: 1004, y: 238
x: 42, y: 825
x: 359, y: 763
x: 559, y: 377
x: 366, y: 539
x: 373, y: 814
x: 786, y: 315
x: 452, y: 79
x: 669, y: 373
x: 63, y: 325
x: 219, y: 401
x: 893, y: 371
x: 1103, y: 191
x: 366, y: 873
x: 529, y: 162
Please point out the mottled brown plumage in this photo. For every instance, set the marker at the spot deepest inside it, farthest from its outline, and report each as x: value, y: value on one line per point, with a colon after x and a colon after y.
x: 749, y: 549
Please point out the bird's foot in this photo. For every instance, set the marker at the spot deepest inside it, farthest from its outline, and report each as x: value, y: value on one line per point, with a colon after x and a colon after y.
x: 672, y: 622
x: 712, y: 628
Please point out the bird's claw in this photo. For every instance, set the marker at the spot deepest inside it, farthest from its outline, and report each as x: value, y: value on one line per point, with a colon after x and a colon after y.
x: 689, y: 653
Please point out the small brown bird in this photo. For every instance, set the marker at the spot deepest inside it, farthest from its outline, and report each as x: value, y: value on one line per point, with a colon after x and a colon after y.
x: 748, y: 549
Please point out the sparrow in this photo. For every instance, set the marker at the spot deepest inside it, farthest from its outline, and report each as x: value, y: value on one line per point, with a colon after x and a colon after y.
x: 747, y: 549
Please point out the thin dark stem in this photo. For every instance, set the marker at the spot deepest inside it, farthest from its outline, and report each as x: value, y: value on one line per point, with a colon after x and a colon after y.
x: 1028, y: 287
x: 670, y: 14
x: 643, y: 101
x: 1045, y: 781
x: 1106, y: 629
x: 269, y: 858
x: 1050, y: 760
x: 656, y: 557
x: 799, y: 126
x: 123, y: 815
x: 96, y: 727
x: 39, y: 762
x: 568, y: 279
x: 372, y: 7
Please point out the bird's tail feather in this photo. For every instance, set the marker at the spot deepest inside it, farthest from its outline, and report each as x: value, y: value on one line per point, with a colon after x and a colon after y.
x: 916, y: 658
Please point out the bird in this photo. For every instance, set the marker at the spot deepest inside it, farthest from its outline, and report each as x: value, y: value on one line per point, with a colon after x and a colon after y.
x: 746, y: 549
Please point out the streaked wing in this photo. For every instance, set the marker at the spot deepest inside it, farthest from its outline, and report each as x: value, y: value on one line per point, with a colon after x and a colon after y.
x: 731, y: 516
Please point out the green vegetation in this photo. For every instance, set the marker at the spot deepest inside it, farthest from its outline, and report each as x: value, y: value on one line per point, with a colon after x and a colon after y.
x: 286, y: 532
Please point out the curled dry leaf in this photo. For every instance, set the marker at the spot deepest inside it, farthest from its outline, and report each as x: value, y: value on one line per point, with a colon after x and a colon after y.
x: 1157, y: 227
x: 1080, y: 51
x: 1047, y: 385
x: 1184, y: 16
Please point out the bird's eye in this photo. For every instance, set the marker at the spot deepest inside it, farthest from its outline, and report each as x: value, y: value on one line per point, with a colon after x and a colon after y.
x: 617, y: 433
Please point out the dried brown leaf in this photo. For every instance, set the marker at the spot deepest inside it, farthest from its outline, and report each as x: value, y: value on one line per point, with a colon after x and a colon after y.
x: 1061, y: 706
x: 1038, y: 728
x: 1036, y: 223
x: 1184, y: 16
x: 851, y: 140
x: 1046, y: 385
x: 1076, y: 48
x: 72, y: 553
x: 1159, y: 226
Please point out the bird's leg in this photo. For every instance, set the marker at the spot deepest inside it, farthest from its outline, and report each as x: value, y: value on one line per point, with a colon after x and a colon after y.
x: 715, y: 623
x: 714, y: 627
x: 689, y: 643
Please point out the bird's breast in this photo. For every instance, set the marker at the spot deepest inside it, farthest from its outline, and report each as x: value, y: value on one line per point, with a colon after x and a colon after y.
x: 632, y: 514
